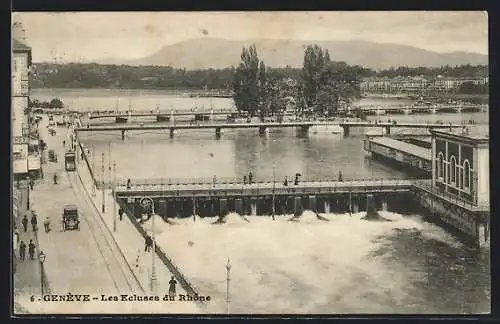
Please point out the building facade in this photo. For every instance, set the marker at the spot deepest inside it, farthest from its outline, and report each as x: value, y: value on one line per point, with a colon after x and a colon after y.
x: 21, y: 62
x: 461, y: 165
x: 419, y: 84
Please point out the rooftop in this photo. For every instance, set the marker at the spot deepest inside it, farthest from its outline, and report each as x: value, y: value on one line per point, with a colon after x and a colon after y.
x: 475, y: 133
x: 407, y: 148
x: 17, y: 45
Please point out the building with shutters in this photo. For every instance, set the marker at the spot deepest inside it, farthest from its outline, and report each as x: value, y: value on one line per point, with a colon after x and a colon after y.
x: 21, y: 62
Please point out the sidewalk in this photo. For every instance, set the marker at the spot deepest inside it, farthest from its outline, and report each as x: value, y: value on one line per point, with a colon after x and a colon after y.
x: 27, y: 276
x: 131, y: 244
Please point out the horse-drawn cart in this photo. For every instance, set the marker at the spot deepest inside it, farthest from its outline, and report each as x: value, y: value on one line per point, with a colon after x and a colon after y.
x: 70, y: 219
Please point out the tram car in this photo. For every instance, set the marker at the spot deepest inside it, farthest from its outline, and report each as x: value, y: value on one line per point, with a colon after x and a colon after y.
x: 70, y: 161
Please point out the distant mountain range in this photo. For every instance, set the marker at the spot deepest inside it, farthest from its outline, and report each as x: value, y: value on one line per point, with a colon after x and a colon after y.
x: 204, y: 53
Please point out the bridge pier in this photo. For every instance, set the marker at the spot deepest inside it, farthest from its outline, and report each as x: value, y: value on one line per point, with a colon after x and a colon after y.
x: 194, y: 208
x: 387, y: 130
x: 302, y: 131
x: 172, y: 131
x: 312, y: 203
x: 297, y: 206
x: 407, y: 111
x: 371, y: 209
x: 384, y: 204
x: 238, y: 206
x: 262, y: 130
x: 218, y: 132
x: 123, y: 134
x: 346, y: 130
x: 327, y: 206
x: 223, y: 210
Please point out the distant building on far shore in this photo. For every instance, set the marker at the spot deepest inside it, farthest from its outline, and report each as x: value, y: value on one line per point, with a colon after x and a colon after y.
x: 412, y: 85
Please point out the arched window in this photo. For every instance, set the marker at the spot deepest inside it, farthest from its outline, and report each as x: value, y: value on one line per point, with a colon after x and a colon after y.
x: 453, y: 171
x: 466, y: 175
x: 440, y: 165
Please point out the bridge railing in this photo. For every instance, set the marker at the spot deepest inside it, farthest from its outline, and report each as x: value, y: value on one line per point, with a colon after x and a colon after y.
x: 231, y: 182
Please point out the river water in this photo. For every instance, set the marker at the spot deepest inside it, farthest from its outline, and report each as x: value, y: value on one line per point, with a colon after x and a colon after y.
x: 345, y: 266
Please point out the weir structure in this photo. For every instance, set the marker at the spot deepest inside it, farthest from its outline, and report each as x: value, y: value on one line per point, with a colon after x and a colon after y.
x: 301, y: 126
x: 199, y: 198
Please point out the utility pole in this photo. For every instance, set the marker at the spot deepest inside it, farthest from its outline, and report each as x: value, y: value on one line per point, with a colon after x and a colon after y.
x: 153, y: 253
x: 274, y: 188
x: 93, y: 170
x: 103, y: 187
x: 114, y: 196
x: 228, y: 270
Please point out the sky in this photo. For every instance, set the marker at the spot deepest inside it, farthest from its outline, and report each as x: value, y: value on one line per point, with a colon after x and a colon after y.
x: 84, y: 36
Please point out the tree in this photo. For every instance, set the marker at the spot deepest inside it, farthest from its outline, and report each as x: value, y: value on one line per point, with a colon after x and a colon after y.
x: 245, y: 83
x: 56, y: 103
x: 338, y: 86
x: 328, y: 85
x: 315, y: 60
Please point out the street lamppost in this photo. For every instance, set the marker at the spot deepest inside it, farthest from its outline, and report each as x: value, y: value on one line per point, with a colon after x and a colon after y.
x: 114, y: 196
x: 103, y: 187
x: 41, y: 258
x: 274, y: 188
x: 228, y: 269
x: 145, y: 202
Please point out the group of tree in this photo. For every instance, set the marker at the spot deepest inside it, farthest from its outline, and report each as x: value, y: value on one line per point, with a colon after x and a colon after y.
x: 322, y: 87
x: 54, y: 103
x: 91, y: 75
x: 469, y: 87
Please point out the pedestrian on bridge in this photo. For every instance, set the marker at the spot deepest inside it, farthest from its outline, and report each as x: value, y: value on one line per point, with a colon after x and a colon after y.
x: 34, y: 222
x: 285, y: 183
x: 340, y: 176
x: 129, y: 184
x: 250, y: 177
x: 25, y: 223
x: 245, y: 180
x: 31, y: 250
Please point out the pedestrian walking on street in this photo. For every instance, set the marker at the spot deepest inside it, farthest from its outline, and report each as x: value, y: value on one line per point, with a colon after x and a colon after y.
x: 31, y: 250
x: 32, y: 183
x: 46, y: 224
x: 25, y: 223
x: 34, y: 222
x: 120, y: 213
x: 22, y: 250
x: 171, y: 286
